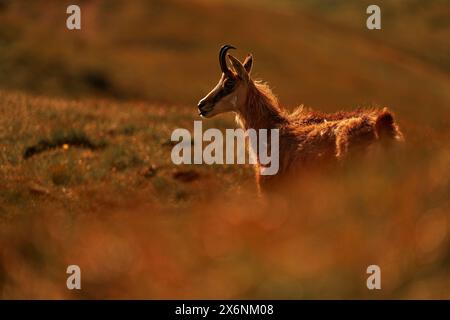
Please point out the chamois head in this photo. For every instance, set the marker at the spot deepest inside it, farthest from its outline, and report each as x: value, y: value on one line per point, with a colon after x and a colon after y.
x: 230, y: 93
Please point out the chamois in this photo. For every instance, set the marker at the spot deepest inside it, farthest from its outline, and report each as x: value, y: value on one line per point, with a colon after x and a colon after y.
x: 305, y: 136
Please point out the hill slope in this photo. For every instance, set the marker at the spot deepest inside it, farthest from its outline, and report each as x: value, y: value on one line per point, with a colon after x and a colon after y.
x: 91, y: 182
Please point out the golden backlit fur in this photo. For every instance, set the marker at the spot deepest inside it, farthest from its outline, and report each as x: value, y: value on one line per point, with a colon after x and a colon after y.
x: 308, y: 137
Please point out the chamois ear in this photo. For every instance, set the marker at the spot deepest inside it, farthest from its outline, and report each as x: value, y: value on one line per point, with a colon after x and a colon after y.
x: 248, y: 63
x: 238, y: 68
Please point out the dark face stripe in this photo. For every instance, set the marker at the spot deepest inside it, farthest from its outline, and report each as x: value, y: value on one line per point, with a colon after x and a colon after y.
x: 226, y: 90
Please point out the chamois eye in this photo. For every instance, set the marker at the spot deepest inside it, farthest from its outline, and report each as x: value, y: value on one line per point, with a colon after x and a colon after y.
x: 229, y: 84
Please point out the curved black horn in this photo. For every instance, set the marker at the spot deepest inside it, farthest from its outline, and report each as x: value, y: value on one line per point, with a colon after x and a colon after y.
x: 222, y: 58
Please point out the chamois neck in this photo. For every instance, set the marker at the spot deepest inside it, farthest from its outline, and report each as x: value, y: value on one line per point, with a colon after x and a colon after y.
x: 261, y: 109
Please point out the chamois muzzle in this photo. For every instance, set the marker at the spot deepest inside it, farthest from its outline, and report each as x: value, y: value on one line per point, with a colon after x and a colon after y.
x: 204, y: 107
x: 200, y: 106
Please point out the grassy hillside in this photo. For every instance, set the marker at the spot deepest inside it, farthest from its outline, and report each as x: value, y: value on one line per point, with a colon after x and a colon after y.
x: 81, y: 153
x: 91, y: 182
x: 86, y: 176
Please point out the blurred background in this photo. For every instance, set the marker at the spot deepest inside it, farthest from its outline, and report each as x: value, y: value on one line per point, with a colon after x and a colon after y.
x: 86, y: 176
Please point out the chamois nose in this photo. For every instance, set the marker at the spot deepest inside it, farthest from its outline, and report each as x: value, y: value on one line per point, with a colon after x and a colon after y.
x: 201, y: 103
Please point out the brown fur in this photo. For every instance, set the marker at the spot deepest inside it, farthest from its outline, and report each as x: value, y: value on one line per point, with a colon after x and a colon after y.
x: 311, y: 137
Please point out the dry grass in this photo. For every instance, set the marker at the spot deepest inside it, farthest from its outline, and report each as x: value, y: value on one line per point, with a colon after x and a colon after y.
x: 99, y: 190
x: 137, y: 231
